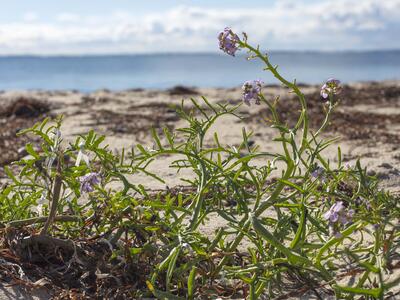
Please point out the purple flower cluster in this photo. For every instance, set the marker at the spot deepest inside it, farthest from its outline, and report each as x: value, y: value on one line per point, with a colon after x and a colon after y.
x: 252, y: 90
x: 88, y: 181
x: 338, y: 215
x: 331, y: 87
x: 228, y: 41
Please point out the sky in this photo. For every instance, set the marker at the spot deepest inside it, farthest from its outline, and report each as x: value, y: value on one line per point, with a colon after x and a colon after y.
x: 77, y: 27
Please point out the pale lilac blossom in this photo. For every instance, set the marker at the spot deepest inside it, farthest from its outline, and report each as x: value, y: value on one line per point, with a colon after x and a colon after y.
x: 88, y: 182
x: 228, y: 41
x: 348, y: 166
x: 330, y: 87
x: 319, y: 173
x: 338, y: 215
x: 334, y: 233
x: 251, y: 91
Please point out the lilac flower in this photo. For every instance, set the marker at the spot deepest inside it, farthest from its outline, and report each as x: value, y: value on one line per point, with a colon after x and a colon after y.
x: 334, y: 232
x: 319, y: 173
x: 333, y: 213
x: 347, y: 217
x: 331, y: 87
x: 338, y: 215
x: 88, y: 181
x: 252, y: 90
x: 228, y: 41
x: 348, y: 166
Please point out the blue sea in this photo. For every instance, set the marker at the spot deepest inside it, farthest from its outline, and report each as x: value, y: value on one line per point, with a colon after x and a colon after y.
x: 161, y: 71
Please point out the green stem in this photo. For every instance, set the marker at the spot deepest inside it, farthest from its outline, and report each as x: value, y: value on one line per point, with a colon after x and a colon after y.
x: 326, y: 121
x: 272, y: 199
x: 198, y: 203
x: 290, y: 85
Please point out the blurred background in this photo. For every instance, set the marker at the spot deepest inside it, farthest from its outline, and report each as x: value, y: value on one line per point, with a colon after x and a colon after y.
x: 93, y: 44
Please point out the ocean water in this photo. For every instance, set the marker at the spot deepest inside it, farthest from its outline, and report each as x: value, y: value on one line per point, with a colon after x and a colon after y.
x: 117, y: 72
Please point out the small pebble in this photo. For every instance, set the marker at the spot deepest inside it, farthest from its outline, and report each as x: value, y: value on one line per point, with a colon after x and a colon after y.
x: 386, y: 166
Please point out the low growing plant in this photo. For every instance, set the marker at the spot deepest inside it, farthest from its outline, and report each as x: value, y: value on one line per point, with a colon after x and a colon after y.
x: 295, y: 222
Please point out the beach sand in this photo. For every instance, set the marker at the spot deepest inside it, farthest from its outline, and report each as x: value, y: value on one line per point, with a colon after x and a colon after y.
x: 367, y: 120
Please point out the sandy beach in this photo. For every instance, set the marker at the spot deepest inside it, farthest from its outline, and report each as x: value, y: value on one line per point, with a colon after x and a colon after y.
x: 367, y: 120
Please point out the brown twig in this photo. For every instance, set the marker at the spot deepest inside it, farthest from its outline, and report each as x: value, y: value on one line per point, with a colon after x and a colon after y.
x: 48, y: 240
x: 31, y: 221
x: 56, y: 197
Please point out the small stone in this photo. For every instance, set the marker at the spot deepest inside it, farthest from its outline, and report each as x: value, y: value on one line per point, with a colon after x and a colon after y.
x: 382, y: 175
x: 386, y: 166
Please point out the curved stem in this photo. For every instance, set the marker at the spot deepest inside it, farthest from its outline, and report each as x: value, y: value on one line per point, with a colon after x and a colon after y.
x: 326, y: 120
x: 55, y: 199
x: 290, y: 85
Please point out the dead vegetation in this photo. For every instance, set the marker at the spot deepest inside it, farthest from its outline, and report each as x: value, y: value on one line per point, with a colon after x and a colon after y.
x: 350, y: 124
x: 136, y: 119
x: 19, y: 114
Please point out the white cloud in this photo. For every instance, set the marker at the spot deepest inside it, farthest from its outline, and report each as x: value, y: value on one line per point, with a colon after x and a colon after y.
x: 30, y: 16
x: 328, y: 25
x: 68, y: 17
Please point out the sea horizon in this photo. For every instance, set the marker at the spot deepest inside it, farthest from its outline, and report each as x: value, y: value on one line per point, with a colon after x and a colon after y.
x: 90, y: 72
x: 189, y: 53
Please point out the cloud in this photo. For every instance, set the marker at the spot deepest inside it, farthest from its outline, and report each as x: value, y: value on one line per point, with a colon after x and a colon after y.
x: 326, y: 25
x: 68, y: 17
x: 30, y: 16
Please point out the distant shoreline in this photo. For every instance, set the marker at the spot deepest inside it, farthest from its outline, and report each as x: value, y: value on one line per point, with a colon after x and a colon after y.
x: 205, y: 53
x: 163, y: 71
x: 195, y: 89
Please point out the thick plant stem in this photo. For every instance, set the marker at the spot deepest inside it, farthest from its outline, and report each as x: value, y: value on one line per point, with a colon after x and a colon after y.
x: 56, y: 197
